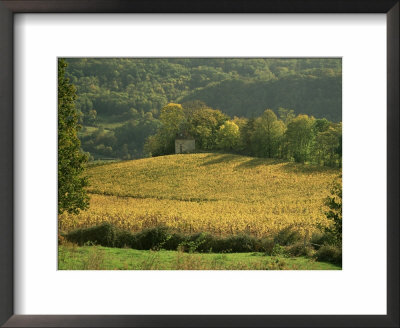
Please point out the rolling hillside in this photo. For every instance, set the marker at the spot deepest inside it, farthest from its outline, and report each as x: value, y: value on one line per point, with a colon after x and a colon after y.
x: 319, y: 97
x: 218, y: 193
x: 237, y: 86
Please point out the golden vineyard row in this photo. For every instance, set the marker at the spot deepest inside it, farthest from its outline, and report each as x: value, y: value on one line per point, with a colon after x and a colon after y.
x: 217, y: 193
x: 220, y: 217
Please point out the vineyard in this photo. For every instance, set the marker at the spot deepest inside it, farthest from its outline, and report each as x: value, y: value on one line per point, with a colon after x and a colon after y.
x: 222, y: 194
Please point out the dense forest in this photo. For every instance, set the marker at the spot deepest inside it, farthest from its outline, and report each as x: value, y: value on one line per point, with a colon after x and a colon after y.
x: 121, y: 100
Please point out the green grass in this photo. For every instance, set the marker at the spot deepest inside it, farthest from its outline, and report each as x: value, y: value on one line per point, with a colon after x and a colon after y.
x: 86, y: 130
x: 111, y: 125
x: 72, y: 257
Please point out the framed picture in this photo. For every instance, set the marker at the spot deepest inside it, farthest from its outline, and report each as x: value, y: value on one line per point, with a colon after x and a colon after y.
x: 151, y: 71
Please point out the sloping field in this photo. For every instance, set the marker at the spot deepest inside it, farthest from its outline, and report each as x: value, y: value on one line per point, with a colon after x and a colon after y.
x: 218, y: 193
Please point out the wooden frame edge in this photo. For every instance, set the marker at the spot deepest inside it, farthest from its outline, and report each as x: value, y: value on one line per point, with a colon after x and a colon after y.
x: 6, y: 165
x: 8, y: 8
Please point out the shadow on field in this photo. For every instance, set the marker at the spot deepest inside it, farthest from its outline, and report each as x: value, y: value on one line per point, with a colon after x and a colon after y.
x: 307, y: 168
x: 289, y: 167
x: 254, y: 162
x: 219, y: 158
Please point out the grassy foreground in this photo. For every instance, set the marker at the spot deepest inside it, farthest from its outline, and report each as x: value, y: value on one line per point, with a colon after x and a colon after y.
x: 73, y: 257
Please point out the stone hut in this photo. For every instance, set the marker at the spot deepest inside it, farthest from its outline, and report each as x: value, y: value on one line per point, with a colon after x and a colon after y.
x: 184, y: 144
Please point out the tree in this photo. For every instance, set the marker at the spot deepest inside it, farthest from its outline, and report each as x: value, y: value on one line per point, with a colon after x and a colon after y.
x: 242, y: 123
x: 172, y: 117
x: 204, y: 124
x: 228, y: 136
x: 300, y: 135
x: 72, y: 195
x: 173, y: 121
x: 246, y: 133
x: 326, y: 146
x: 321, y: 125
x: 286, y: 115
x: 334, y: 212
x: 267, y: 135
x: 90, y: 117
x: 131, y: 136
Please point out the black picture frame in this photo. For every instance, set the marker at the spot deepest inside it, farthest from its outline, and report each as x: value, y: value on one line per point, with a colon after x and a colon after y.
x: 10, y: 7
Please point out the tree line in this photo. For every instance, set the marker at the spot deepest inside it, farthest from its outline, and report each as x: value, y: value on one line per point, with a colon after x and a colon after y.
x: 284, y: 135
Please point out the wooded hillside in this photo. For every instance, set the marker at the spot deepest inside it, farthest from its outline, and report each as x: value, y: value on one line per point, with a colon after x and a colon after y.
x: 121, y: 99
x: 116, y: 87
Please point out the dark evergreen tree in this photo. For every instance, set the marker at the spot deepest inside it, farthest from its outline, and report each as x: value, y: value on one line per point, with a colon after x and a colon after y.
x: 71, y: 160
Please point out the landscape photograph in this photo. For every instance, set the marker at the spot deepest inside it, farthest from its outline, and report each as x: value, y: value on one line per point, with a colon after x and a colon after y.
x: 199, y: 163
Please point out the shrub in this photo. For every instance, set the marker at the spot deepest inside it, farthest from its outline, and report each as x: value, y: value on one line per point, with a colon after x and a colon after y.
x: 188, y: 246
x: 319, y: 239
x: 125, y: 239
x: 153, y: 238
x: 173, y: 241
x: 264, y: 245
x: 240, y: 243
x: 103, y: 234
x: 334, y: 203
x: 278, y: 250
x: 162, y: 238
x: 328, y: 253
x: 298, y: 249
x: 287, y: 236
x: 206, y: 242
